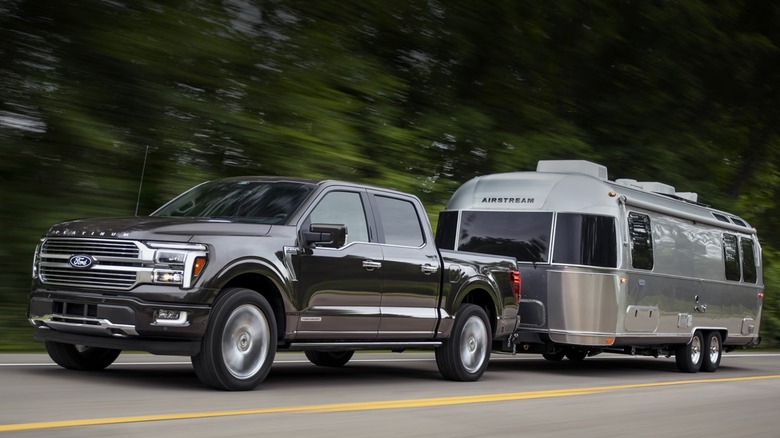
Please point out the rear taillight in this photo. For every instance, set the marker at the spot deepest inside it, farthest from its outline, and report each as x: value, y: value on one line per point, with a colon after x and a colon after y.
x: 515, y: 279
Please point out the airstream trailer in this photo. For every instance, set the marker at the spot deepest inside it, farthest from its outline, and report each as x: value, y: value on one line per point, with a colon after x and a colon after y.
x: 614, y: 266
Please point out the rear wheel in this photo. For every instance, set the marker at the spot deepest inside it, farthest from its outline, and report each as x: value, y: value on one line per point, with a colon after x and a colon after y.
x: 465, y: 355
x: 81, y: 357
x: 555, y: 357
x: 690, y: 356
x: 713, y: 349
x: 240, y: 343
x: 329, y: 358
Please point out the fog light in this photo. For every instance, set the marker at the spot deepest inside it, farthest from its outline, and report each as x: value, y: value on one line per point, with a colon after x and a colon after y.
x: 170, y: 317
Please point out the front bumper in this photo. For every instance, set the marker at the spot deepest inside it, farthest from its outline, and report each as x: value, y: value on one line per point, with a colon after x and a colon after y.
x: 107, y: 321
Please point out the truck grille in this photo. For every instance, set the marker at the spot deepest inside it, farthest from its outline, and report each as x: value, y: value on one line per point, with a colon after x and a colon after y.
x: 91, y: 278
x: 94, y: 247
x: 118, y: 263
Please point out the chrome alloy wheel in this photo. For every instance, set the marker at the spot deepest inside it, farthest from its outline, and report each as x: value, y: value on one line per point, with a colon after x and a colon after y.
x: 714, y: 350
x: 245, y: 341
x: 473, y: 344
x: 696, y: 349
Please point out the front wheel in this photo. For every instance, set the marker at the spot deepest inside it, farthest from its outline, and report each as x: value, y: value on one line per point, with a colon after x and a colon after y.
x: 329, y: 358
x: 81, y: 357
x: 465, y: 355
x: 690, y: 356
x: 713, y: 349
x: 240, y: 343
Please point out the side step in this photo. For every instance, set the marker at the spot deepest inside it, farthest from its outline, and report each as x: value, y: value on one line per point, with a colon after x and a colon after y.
x: 346, y: 345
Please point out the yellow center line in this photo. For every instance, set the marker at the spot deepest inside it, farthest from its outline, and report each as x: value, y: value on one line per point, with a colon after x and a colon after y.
x: 366, y: 406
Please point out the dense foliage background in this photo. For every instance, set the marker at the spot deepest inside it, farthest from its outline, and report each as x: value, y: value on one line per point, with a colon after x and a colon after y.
x: 419, y: 95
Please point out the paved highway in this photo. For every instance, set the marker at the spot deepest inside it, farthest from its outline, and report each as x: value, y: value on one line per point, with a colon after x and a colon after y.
x: 391, y: 395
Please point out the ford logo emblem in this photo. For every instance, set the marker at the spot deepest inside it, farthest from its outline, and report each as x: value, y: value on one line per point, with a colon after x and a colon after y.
x: 79, y: 261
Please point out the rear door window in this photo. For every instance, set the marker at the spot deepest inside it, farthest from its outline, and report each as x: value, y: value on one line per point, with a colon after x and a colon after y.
x: 400, y: 222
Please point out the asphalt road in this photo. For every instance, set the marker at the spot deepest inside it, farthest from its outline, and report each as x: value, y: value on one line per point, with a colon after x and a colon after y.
x: 396, y: 395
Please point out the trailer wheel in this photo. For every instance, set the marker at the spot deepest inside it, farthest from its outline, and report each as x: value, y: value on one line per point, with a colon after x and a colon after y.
x: 240, y: 343
x: 554, y: 357
x: 576, y: 355
x: 713, y: 349
x: 81, y: 357
x: 329, y: 358
x: 690, y: 356
x: 465, y: 355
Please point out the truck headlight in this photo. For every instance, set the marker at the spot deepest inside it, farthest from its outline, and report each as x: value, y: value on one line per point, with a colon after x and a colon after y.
x: 178, y: 264
x: 36, y: 260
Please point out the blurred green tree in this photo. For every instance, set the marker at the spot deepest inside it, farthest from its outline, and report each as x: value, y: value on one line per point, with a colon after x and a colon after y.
x: 416, y: 95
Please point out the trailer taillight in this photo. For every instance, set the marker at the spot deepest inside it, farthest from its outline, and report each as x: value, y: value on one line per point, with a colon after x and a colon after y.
x: 515, y: 279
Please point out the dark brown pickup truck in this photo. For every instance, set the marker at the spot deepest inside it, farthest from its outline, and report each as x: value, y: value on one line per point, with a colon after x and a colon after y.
x: 233, y: 270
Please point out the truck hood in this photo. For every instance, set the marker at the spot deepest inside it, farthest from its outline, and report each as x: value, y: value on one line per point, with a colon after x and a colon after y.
x: 149, y: 227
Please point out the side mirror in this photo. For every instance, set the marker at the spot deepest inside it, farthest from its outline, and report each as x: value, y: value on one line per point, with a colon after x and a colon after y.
x: 327, y: 235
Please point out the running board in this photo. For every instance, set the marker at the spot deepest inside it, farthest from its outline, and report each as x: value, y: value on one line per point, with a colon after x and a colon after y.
x: 362, y: 345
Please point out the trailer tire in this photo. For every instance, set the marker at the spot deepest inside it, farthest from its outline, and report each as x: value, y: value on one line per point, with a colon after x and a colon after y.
x: 553, y: 357
x: 576, y: 355
x: 465, y: 355
x: 240, y: 343
x: 81, y: 357
x: 329, y: 358
x: 690, y: 356
x: 713, y: 350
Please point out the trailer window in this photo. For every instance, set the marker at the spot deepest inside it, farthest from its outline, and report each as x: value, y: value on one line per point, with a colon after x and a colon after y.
x: 731, y: 257
x: 641, y: 241
x: 748, y: 261
x: 522, y: 235
x: 446, y: 229
x: 584, y: 239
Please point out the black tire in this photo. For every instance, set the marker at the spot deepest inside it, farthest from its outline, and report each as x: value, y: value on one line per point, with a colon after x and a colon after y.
x: 329, y: 358
x: 713, y: 350
x: 465, y: 355
x: 553, y: 357
x: 690, y: 356
x: 576, y: 355
x: 79, y: 357
x: 238, y: 349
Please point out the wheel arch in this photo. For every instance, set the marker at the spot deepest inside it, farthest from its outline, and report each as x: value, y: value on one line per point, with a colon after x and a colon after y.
x: 480, y: 295
x: 262, y: 278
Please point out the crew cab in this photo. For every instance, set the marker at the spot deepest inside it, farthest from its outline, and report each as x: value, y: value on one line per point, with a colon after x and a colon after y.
x: 235, y: 269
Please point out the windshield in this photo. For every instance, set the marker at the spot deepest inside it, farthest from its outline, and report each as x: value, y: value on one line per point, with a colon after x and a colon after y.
x: 260, y: 202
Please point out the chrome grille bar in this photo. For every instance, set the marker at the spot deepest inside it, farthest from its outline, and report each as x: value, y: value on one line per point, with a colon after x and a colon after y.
x: 96, y: 247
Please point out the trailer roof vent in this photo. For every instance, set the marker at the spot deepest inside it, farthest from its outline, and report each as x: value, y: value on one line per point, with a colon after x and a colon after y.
x: 630, y: 183
x: 688, y: 196
x: 573, y: 166
x: 657, y: 187
x: 720, y: 217
x: 739, y: 222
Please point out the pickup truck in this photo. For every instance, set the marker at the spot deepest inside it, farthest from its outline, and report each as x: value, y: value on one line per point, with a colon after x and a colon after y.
x: 233, y: 270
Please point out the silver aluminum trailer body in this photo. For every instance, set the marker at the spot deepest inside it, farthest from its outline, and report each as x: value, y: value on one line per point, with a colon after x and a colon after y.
x: 614, y: 265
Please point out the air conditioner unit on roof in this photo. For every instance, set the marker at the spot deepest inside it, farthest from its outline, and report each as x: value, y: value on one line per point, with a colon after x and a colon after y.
x: 573, y: 166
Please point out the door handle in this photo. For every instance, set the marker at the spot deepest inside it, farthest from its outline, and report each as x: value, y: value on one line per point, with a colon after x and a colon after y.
x: 370, y: 265
x: 428, y: 268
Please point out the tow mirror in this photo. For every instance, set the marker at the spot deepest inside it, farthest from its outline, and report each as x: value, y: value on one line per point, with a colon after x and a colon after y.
x: 327, y: 235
